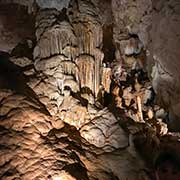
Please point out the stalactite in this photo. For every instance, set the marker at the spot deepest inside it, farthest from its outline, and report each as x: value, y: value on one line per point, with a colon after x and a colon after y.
x: 52, y: 35
x: 86, y: 66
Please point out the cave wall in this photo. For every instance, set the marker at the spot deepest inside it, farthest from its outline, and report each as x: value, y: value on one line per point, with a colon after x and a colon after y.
x: 165, y: 40
x: 156, y: 23
x: 64, y: 110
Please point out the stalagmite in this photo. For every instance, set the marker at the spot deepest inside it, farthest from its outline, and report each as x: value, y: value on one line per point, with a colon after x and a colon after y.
x: 106, y: 79
x: 139, y: 105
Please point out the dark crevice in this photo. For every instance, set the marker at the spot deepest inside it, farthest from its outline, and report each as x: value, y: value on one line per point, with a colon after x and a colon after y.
x: 108, y: 45
x: 77, y: 171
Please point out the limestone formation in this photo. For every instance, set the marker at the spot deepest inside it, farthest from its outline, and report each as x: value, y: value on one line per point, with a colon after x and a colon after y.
x: 89, y: 89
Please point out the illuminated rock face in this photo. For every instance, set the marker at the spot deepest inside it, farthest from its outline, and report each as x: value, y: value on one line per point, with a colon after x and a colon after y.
x: 157, y: 30
x: 37, y: 146
x: 71, y: 107
x: 30, y: 137
x: 68, y: 50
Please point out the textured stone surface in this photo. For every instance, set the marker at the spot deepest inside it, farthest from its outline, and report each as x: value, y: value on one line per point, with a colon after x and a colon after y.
x: 156, y: 24
x: 48, y: 147
x: 58, y: 4
x: 166, y: 56
x: 12, y: 33
x: 28, y: 143
x: 104, y: 132
x: 134, y: 17
x: 75, y: 98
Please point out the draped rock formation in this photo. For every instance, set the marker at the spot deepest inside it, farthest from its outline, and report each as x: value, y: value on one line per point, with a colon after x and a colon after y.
x: 89, y: 90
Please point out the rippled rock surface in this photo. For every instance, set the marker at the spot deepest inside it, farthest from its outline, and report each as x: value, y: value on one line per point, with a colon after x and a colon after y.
x: 89, y: 90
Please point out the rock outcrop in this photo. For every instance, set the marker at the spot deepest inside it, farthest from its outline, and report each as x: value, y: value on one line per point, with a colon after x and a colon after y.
x: 90, y: 91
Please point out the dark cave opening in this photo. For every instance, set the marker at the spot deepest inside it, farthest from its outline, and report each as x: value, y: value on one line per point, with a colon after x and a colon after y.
x: 108, y: 45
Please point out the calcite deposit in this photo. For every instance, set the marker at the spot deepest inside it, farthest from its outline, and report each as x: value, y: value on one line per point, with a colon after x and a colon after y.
x: 89, y: 90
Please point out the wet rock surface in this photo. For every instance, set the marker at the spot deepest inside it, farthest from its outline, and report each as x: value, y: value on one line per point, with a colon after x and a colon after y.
x: 91, y: 94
